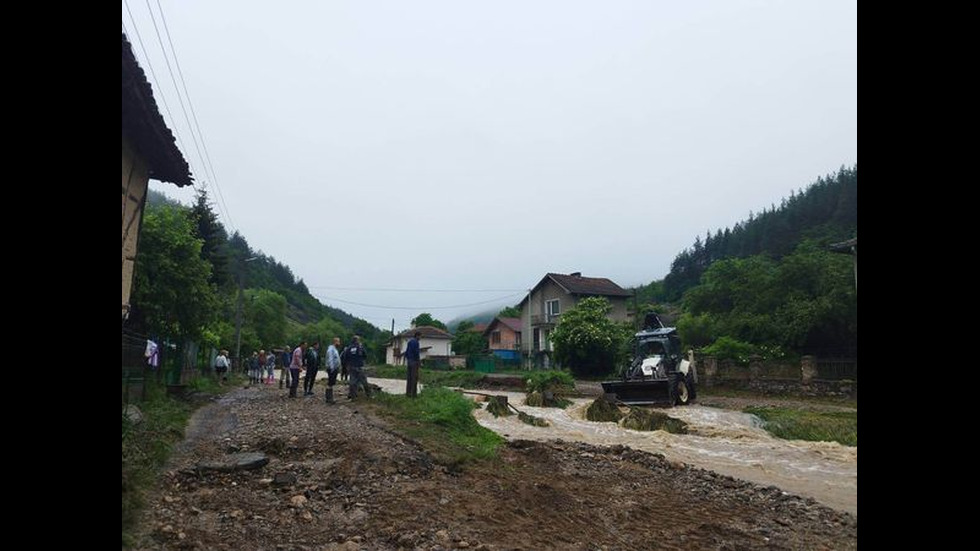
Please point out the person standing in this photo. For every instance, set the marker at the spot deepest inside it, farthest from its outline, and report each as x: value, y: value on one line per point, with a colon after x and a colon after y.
x: 312, y: 367
x: 270, y: 367
x: 221, y: 365
x: 253, y: 368
x: 333, y: 362
x: 261, y: 365
x: 356, y: 354
x: 295, y: 366
x: 414, y: 360
x: 287, y: 358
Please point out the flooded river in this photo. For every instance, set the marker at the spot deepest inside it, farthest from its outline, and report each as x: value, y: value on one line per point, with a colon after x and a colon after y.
x: 724, y: 441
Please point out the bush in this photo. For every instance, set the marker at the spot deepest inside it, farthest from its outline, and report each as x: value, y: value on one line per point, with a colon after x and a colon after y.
x: 557, y: 380
x: 588, y: 342
x: 727, y: 348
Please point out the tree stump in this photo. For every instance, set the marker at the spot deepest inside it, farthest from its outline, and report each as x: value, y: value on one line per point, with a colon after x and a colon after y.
x: 497, y: 405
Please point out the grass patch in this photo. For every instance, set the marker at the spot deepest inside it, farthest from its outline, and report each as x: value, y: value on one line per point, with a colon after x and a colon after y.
x: 728, y: 392
x: 602, y: 410
x: 146, y: 447
x: 647, y: 419
x: 815, y: 426
x: 441, y: 420
x: 431, y: 377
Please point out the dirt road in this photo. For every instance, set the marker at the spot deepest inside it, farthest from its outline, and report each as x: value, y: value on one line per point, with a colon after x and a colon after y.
x: 336, y: 479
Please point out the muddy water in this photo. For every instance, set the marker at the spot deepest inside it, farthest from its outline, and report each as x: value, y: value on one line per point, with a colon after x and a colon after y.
x: 724, y: 441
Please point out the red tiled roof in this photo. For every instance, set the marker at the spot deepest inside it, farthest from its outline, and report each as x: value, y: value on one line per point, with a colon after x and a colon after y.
x: 513, y: 323
x: 426, y: 331
x: 578, y: 285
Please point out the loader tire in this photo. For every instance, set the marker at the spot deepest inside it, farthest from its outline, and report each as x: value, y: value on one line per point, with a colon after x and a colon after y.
x: 682, y: 395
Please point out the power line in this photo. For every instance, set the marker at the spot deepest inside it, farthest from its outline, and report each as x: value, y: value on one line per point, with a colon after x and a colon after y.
x: 204, y: 143
x: 498, y: 299
x: 153, y: 74
x: 180, y: 98
x: 384, y: 289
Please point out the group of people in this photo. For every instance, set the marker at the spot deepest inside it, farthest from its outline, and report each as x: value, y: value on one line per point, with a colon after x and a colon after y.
x: 262, y: 367
x: 347, y: 363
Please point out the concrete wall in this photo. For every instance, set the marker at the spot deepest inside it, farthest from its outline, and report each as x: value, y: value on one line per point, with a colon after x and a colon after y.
x: 135, y: 176
x: 772, y: 377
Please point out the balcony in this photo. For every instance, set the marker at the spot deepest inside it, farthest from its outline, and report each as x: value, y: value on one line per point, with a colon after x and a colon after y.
x: 544, y: 319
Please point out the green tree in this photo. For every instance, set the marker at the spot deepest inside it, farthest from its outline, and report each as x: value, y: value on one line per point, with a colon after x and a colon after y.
x: 466, y: 341
x: 266, y: 314
x: 215, y: 240
x: 587, y: 342
x: 426, y: 318
x: 509, y: 312
x: 170, y: 289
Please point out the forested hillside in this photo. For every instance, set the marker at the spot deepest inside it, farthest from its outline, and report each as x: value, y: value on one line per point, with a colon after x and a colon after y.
x: 278, y: 308
x: 771, y: 283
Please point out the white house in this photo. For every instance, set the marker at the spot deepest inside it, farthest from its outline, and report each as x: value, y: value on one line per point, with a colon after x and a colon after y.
x: 432, y: 342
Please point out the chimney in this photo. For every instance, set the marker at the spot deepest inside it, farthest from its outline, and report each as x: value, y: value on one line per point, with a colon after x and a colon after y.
x: 576, y: 274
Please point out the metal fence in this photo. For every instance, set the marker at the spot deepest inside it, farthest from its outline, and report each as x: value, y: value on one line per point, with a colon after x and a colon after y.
x: 837, y: 369
x: 134, y: 369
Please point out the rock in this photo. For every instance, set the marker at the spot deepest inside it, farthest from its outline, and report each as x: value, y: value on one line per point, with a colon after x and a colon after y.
x: 307, y: 515
x: 298, y: 501
x: 463, y: 544
x: 356, y: 539
x: 133, y: 413
x: 442, y: 535
x: 196, y: 511
x: 284, y: 479
x: 443, y: 501
x: 245, y: 461
x: 167, y: 529
x: 237, y: 513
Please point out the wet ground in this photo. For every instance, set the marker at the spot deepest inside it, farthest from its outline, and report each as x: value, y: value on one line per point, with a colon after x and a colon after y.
x: 725, y: 441
x: 337, y: 478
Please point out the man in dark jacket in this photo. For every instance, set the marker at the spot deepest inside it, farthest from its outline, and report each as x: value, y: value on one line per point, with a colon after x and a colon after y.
x: 312, y: 366
x: 355, y: 354
x: 413, y: 358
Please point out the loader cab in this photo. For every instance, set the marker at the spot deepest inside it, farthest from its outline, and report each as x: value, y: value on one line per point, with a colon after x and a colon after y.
x: 663, y: 342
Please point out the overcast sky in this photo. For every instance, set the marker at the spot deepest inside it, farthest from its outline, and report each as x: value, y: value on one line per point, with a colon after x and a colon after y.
x: 464, y: 145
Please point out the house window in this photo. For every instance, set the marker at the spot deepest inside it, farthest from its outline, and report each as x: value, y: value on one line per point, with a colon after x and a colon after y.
x: 495, y: 337
x: 553, y: 308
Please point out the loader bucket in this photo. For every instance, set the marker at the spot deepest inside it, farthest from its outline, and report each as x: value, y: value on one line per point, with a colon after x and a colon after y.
x: 640, y: 392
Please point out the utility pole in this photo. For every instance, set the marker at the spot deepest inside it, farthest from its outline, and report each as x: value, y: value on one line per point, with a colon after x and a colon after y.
x: 236, y: 361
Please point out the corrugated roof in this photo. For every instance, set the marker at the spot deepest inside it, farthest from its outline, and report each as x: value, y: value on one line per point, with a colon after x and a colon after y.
x: 144, y: 126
